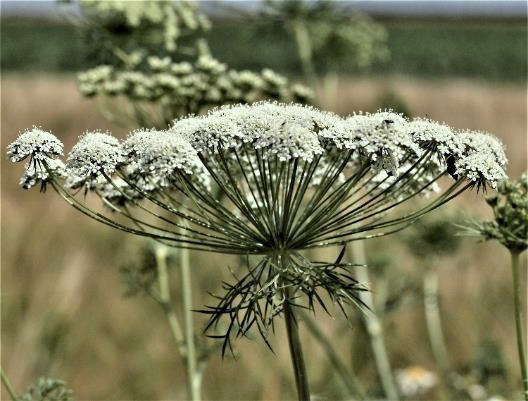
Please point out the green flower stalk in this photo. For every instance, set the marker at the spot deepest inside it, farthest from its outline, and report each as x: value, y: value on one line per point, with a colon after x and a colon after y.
x: 434, y: 238
x: 510, y: 228
x: 374, y: 325
x: 151, y: 277
x: 292, y: 178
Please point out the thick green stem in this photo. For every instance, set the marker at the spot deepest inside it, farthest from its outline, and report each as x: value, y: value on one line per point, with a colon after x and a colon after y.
x: 519, y: 318
x: 299, y: 368
x: 194, y: 381
x: 352, y: 384
x: 374, y: 326
x: 434, y: 322
x: 8, y: 386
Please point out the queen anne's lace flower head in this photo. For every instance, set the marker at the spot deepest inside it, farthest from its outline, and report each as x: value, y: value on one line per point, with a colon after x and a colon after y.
x: 283, y: 178
x: 36, y: 144
x: 95, y: 155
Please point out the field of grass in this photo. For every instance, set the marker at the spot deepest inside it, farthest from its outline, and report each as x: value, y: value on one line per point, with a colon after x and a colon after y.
x: 63, y: 313
x: 477, y: 49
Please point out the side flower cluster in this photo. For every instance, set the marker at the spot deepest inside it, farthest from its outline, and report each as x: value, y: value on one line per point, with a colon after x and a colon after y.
x: 510, y: 210
x: 192, y: 86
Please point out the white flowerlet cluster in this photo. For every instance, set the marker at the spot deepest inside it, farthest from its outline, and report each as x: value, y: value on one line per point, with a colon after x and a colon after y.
x: 209, y: 64
x: 285, y: 131
x: 474, y: 155
x: 479, y: 141
x: 385, y: 138
x: 386, y: 142
x: 425, y: 131
x: 158, y: 156
x: 159, y: 63
x: 36, y: 144
x: 95, y: 154
x: 484, y: 157
x: 273, y: 78
x: 381, y: 137
x: 479, y: 165
x: 37, y: 173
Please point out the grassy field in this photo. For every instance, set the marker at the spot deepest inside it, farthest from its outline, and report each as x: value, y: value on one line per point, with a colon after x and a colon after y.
x: 63, y: 313
x: 477, y: 49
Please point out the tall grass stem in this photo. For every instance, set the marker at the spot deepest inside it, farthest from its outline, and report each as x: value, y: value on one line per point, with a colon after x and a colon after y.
x: 192, y: 374
x: 165, y: 301
x: 350, y: 381
x: 434, y: 322
x: 8, y: 386
x: 519, y: 318
x: 374, y: 325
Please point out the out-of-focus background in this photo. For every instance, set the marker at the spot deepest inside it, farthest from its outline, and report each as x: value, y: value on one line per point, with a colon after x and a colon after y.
x: 63, y: 310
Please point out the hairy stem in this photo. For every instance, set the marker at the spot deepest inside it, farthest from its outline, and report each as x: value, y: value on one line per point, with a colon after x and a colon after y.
x: 299, y: 368
x: 194, y: 381
x: 519, y: 318
x: 434, y: 322
x: 8, y: 386
x: 374, y: 326
x: 348, y: 378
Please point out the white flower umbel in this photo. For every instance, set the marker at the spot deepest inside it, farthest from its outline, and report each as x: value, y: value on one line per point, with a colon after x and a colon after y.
x: 291, y: 176
x: 284, y: 178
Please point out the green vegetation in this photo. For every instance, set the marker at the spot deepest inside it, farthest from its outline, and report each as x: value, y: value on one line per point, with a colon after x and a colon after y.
x: 468, y: 49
